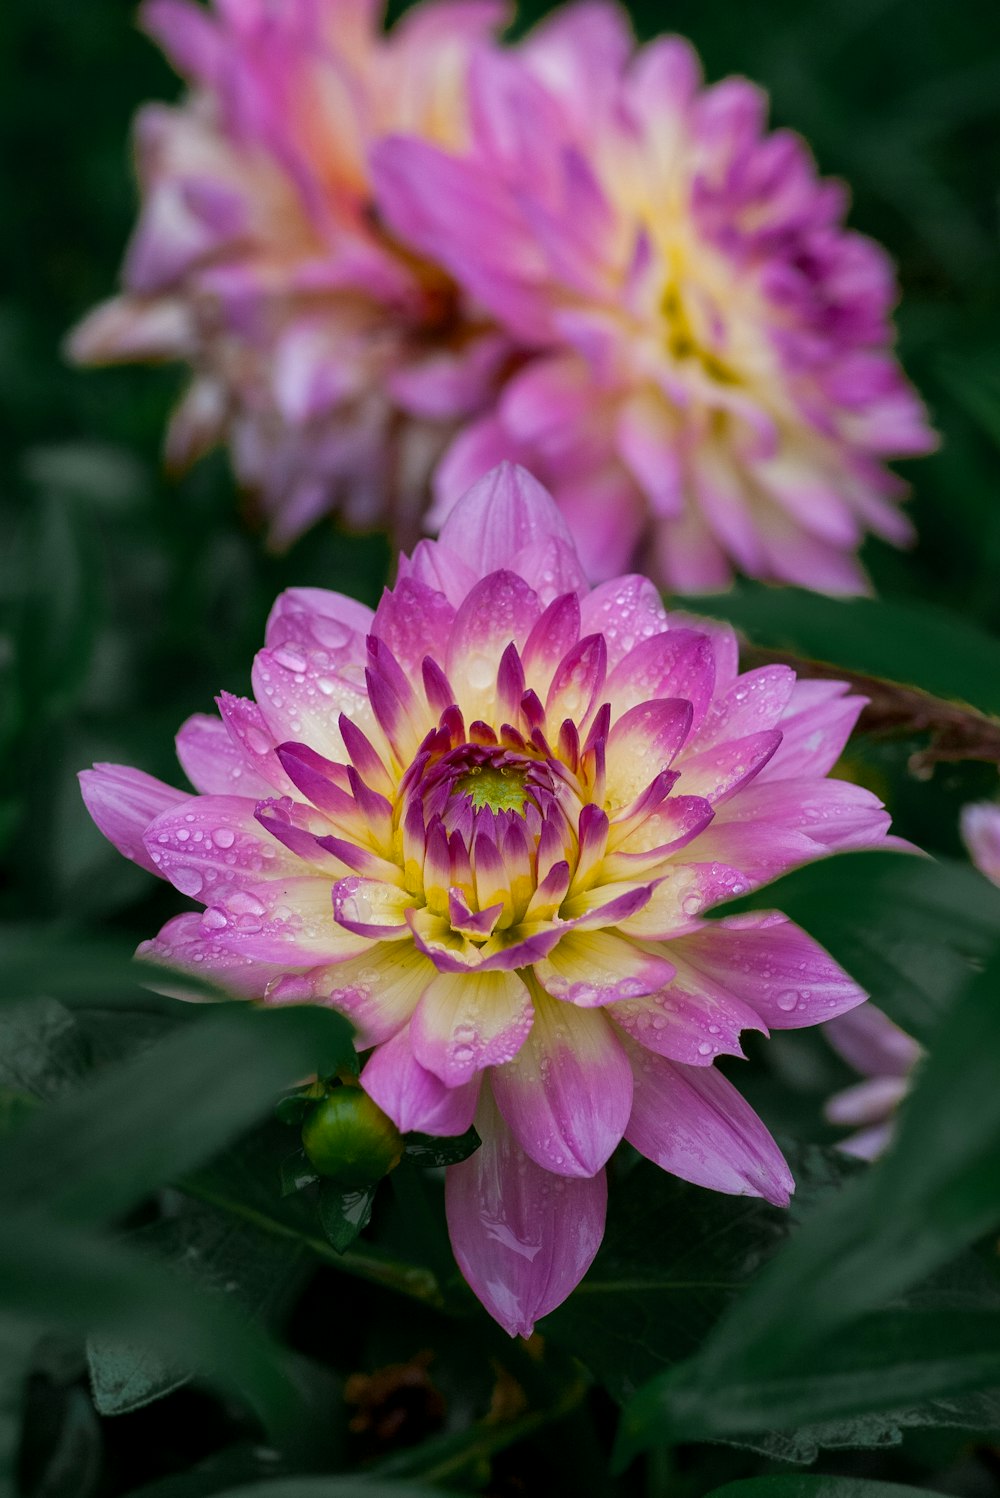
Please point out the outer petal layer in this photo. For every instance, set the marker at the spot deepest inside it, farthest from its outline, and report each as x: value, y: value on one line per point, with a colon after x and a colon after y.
x: 523, y: 1237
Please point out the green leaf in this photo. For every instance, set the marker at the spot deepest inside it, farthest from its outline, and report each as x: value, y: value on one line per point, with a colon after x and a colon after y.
x: 672, y: 1259
x: 935, y: 1191
x: 98, y: 1151
x: 215, y: 1253
x: 343, y: 1214
x: 905, y: 927
x: 919, y: 646
x: 85, y: 1284
x: 42, y: 961
x: 245, y: 1182
x: 428, y: 1150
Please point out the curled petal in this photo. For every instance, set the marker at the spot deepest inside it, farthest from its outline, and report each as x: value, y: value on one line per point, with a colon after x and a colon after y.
x: 184, y: 944
x: 371, y: 908
x: 523, y: 1237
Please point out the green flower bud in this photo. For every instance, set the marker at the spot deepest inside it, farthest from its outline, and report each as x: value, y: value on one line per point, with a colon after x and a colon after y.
x: 348, y: 1138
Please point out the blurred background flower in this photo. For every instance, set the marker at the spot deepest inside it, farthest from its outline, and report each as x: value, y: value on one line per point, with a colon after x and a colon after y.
x: 570, y: 252
x: 714, y: 384
x: 331, y: 360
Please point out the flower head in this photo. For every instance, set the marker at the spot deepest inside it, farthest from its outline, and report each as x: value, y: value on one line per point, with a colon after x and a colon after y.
x: 486, y: 822
x: 333, y: 361
x: 712, y: 381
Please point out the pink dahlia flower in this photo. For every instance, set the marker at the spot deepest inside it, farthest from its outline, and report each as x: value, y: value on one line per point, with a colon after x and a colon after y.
x: 485, y: 822
x: 333, y: 361
x: 712, y: 383
x: 883, y: 1053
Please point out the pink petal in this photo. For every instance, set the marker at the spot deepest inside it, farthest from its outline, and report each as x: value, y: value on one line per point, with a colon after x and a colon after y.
x: 287, y: 921
x: 315, y: 618
x: 213, y: 763
x: 567, y: 1094
x: 467, y: 1021
x: 412, y: 620
x: 680, y: 896
x: 755, y: 702
x: 500, y: 609
x: 439, y: 568
x: 870, y: 1042
x: 722, y: 771
x: 523, y: 1238
x: 211, y: 843
x: 642, y: 743
x: 691, y: 1020
x: 757, y: 849
x: 679, y: 663
x: 248, y: 729
x: 774, y: 966
x: 833, y: 813
x: 815, y: 727
x: 692, y: 1122
x: 504, y: 515
x: 184, y: 944
x: 598, y: 967
x: 378, y: 989
x: 123, y: 802
x: 414, y: 1098
x: 871, y: 1102
x: 301, y: 700
x: 625, y: 611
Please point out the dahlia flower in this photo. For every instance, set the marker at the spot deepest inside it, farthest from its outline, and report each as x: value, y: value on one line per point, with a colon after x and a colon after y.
x: 884, y: 1054
x: 712, y: 381
x: 485, y: 823
x: 333, y: 361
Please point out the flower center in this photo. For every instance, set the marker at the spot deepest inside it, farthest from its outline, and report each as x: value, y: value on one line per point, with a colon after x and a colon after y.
x: 500, y: 787
x: 682, y: 340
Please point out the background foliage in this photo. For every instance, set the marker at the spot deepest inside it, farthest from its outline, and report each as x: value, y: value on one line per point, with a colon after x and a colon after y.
x: 169, y: 1324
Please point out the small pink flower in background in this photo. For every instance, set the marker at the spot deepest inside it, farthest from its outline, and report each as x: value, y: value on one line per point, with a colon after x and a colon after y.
x: 485, y: 822
x: 883, y: 1053
x: 334, y: 362
x: 713, y: 383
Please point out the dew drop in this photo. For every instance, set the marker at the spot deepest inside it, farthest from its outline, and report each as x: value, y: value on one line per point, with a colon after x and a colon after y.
x: 225, y: 837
